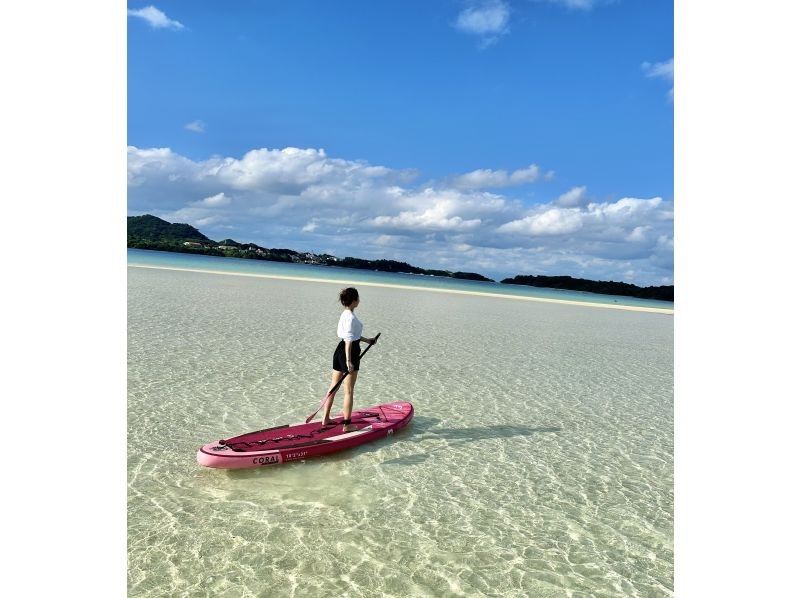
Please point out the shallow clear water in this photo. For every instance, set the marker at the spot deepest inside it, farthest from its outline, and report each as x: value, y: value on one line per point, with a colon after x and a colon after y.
x: 539, y: 461
x: 244, y: 266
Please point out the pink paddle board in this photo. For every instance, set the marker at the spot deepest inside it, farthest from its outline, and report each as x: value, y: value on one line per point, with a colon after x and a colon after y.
x: 296, y: 442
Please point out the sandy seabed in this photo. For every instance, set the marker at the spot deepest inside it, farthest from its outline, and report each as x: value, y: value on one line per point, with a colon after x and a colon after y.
x: 539, y: 461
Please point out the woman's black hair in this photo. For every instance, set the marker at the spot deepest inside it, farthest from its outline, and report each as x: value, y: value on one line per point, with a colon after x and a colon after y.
x: 348, y: 296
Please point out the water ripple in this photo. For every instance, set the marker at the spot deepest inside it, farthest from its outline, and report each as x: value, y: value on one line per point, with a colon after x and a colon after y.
x: 539, y: 461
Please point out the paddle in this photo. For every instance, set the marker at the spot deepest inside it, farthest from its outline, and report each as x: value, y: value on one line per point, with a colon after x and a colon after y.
x: 332, y: 391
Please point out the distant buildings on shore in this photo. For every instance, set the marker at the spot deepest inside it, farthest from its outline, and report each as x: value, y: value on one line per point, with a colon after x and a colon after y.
x: 297, y: 258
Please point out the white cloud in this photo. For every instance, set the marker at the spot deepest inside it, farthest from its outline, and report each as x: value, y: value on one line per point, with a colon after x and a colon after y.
x: 156, y: 18
x: 639, y: 234
x: 439, y: 216
x: 624, y: 210
x: 292, y: 168
x: 152, y: 163
x: 428, y: 220
x: 662, y: 70
x: 279, y: 197
x: 218, y: 200
x: 486, y: 178
x: 627, y: 219
x: 197, y: 126
x: 197, y: 216
x: 387, y: 240
x: 487, y: 19
x: 574, y: 197
x: 575, y: 4
x: 553, y: 221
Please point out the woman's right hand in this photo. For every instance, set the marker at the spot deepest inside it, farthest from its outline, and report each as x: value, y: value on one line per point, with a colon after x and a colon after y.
x: 350, y: 366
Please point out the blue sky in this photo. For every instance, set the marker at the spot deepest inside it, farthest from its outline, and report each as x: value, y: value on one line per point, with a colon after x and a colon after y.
x: 504, y: 137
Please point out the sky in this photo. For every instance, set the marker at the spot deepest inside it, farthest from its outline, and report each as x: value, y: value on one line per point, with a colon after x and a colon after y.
x: 495, y: 136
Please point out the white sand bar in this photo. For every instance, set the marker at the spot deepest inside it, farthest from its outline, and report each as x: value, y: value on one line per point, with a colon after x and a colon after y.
x: 657, y: 310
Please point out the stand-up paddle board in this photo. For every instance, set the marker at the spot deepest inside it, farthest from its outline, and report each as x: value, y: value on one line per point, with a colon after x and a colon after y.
x: 295, y: 442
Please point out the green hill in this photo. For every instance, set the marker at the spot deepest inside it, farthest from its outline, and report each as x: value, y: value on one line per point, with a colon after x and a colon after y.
x: 153, y: 229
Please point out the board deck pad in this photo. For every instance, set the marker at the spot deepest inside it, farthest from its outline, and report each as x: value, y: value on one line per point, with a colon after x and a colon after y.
x: 293, y: 442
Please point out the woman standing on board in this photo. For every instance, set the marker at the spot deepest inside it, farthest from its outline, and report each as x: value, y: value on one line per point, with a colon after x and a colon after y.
x: 347, y: 355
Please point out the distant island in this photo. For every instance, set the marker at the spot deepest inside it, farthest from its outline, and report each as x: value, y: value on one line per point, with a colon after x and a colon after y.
x: 151, y: 232
x: 604, y: 287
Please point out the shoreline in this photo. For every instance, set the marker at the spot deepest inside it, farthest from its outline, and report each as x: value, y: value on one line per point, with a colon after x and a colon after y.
x: 656, y: 310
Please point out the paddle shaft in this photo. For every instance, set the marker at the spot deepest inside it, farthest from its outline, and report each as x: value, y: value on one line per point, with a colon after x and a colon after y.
x: 333, y: 390
x: 339, y: 383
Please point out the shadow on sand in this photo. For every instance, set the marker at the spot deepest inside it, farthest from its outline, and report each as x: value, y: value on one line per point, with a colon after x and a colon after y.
x: 457, y: 437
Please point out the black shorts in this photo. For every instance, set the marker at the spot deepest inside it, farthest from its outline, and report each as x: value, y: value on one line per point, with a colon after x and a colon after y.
x: 340, y: 358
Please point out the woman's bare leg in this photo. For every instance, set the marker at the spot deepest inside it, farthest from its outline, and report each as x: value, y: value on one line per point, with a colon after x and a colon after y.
x: 336, y: 375
x: 349, y: 384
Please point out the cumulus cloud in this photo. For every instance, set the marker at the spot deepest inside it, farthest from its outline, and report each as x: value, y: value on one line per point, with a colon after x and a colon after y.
x: 292, y: 169
x: 294, y: 197
x: 433, y: 219
x: 196, y: 126
x: 599, y: 241
x: 487, y: 19
x: 151, y: 164
x: 639, y: 233
x: 440, y: 210
x: 619, y: 224
x: 155, y: 18
x: 574, y: 197
x: 552, y: 221
x: 486, y: 178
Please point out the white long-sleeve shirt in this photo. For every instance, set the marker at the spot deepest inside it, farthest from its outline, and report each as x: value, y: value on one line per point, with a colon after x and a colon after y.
x: 350, y: 327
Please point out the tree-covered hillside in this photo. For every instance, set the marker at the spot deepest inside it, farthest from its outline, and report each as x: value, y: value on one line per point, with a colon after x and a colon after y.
x: 605, y: 287
x: 152, y: 228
